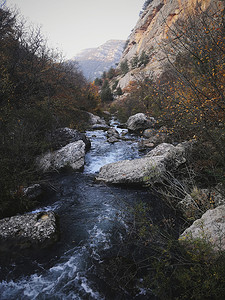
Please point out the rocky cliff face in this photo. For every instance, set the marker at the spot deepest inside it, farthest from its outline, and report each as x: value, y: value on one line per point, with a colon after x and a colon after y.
x: 94, y: 61
x: 149, y: 33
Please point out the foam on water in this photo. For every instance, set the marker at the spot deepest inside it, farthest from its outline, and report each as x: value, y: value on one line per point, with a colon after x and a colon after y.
x: 100, y: 221
x: 103, y: 153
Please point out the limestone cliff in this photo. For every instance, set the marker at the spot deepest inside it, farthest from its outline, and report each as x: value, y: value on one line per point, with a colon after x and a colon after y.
x: 151, y: 30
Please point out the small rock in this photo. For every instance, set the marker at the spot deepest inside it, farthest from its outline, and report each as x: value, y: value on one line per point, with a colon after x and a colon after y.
x: 106, y: 113
x: 113, y: 135
x: 113, y: 132
x: 149, y: 133
x: 100, y: 127
x: 156, y: 136
x: 149, y: 145
x: 124, y: 132
x: 112, y: 140
x: 145, y: 145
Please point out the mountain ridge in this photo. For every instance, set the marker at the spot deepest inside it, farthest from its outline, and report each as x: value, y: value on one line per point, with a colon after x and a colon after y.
x: 94, y: 61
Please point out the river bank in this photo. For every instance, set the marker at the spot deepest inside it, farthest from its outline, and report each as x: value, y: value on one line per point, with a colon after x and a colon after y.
x: 108, y: 234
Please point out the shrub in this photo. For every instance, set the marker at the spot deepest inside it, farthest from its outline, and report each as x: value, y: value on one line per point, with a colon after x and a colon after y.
x: 124, y: 67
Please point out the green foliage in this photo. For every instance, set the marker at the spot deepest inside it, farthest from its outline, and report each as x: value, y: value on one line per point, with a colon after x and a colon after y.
x: 124, y: 67
x: 111, y: 73
x: 38, y: 93
x: 142, y: 97
x: 180, y: 272
x: 134, y: 61
x: 143, y: 60
x: 98, y: 82
x: 119, y: 91
x: 104, y: 75
x: 106, y: 94
x: 189, y: 100
x: 115, y: 85
x: 126, y: 44
x: 169, y: 268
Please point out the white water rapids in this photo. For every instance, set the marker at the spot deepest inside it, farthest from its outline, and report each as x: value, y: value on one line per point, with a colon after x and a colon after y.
x: 92, y: 220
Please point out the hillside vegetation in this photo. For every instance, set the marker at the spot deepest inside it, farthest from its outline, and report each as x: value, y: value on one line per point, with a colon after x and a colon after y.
x: 38, y: 93
x: 188, y: 99
x: 189, y: 96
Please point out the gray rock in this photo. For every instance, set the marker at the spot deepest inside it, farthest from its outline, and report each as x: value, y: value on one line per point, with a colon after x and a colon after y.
x: 211, y: 197
x: 113, y: 135
x: 112, y: 139
x: 97, y: 123
x: 150, y: 168
x: 70, y: 156
x: 218, y: 194
x: 145, y: 145
x: 149, y: 145
x: 210, y: 228
x: 150, y: 132
x: 155, y: 137
x: 113, y: 132
x: 106, y: 113
x: 63, y: 136
x: 99, y: 127
x: 131, y: 171
x: 140, y: 122
x: 29, y: 230
x: 172, y: 156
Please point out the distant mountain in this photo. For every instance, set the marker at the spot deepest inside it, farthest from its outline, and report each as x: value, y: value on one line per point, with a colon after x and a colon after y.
x: 94, y: 61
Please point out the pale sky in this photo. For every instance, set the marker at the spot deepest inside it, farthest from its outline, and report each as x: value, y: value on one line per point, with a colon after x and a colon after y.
x: 74, y: 25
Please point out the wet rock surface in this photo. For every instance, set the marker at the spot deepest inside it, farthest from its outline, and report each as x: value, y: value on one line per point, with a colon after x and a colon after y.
x: 113, y: 135
x: 151, y: 167
x: 28, y: 231
x: 97, y: 123
x: 70, y: 156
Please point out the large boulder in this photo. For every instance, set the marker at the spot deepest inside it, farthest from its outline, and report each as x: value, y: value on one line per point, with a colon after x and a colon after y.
x: 210, y: 228
x: 63, y: 136
x: 140, y: 122
x: 70, y: 156
x: 97, y: 122
x: 28, y: 231
x: 151, y: 168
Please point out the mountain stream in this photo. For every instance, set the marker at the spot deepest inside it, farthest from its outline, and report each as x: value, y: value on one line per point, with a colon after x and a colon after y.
x: 94, y: 222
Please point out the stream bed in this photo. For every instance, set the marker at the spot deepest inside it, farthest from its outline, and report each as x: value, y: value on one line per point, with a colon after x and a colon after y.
x: 94, y: 223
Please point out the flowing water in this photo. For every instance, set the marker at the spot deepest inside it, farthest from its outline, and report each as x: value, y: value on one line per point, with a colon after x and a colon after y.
x: 94, y: 222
